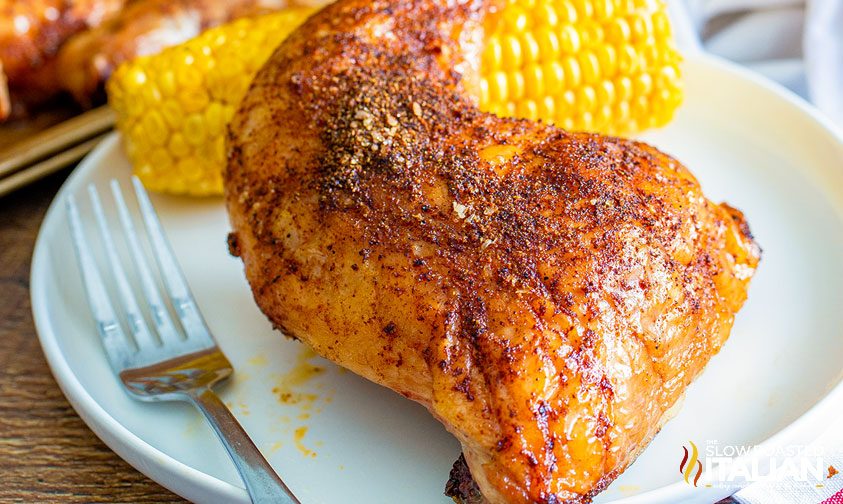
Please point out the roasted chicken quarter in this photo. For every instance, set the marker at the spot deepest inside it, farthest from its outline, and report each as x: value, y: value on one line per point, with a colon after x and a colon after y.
x: 547, y: 295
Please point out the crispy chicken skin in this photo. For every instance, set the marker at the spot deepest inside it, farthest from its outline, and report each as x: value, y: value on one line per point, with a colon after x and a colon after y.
x: 547, y: 295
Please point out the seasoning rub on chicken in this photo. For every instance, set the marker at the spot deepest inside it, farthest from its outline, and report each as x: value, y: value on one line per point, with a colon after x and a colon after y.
x: 547, y: 295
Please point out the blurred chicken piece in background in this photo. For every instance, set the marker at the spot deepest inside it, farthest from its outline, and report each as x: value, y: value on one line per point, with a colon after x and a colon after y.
x: 143, y: 27
x: 49, y: 47
x: 31, y: 33
x: 5, y: 105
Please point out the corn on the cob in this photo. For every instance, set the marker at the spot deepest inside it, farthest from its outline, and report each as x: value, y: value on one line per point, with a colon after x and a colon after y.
x: 173, y: 107
x: 597, y: 65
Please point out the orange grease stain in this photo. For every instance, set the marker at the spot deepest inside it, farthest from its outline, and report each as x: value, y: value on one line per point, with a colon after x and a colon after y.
x: 298, y: 436
x: 302, y: 372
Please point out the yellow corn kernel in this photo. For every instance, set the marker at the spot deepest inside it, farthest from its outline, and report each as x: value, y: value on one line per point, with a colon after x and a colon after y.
x: 642, y: 27
x: 628, y: 60
x: 604, y: 65
x: 594, y: 34
x: 172, y: 108
x: 546, y: 108
x: 529, y: 47
x: 156, y: 130
x: 193, y: 100
x: 585, y: 8
x: 548, y: 44
x: 605, y: 91
x: 603, y: 116
x: 498, y: 87
x: 569, y: 104
x: 642, y: 85
x: 573, y: 73
x: 661, y: 24
x: 585, y: 121
x: 511, y: 54
x: 586, y: 99
x: 516, y: 19
x: 493, y: 53
x: 527, y: 109
x: 607, y: 60
x: 569, y: 39
x: 640, y: 107
x: 618, y: 31
x: 534, y: 82
x: 484, y: 93
x: 624, y: 7
x: 178, y: 146
x: 215, y: 119
x: 554, y: 78
x: 590, y: 67
x: 566, y: 11
x: 546, y: 14
x: 173, y: 114
x: 603, y: 9
x: 667, y: 77
x: 516, y: 85
x: 194, y: 130
x: 622, y: 111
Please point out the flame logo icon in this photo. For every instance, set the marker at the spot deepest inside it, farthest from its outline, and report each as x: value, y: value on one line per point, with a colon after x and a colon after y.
x: 690, y: 462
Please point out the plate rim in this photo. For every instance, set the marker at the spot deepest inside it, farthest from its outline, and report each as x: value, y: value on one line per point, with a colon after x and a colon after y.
x: 196, y: 485
x: 156, y: 464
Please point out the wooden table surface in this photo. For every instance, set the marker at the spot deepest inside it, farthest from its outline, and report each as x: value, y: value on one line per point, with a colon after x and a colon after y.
x: 47, y: 454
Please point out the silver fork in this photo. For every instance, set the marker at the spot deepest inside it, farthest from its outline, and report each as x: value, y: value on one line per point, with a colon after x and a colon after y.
x: 165, y: 364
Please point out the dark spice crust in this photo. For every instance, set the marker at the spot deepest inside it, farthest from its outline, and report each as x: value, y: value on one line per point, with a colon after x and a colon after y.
x: 548, y: 303
x: 461, y: 486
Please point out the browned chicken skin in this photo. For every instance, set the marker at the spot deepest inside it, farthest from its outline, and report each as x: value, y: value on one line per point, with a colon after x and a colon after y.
x: 547, y: 295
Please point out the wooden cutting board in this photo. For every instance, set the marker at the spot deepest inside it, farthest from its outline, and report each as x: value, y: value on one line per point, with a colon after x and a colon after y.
x: 20, y: 129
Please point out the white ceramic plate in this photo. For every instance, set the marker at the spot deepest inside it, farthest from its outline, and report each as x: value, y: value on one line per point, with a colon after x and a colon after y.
x: 750, y: 143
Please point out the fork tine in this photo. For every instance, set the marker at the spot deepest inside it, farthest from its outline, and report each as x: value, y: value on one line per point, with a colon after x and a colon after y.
x: 161, y: 318
x: 137, y: 324
x: 180, y: 296
x: 108, y: 326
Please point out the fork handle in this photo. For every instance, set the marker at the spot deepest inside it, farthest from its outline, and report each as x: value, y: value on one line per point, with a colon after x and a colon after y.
x: 262, y: 484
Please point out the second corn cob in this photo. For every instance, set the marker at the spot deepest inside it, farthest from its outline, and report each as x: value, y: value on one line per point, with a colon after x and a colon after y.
x: 597, y: 65
x: 173, y: 107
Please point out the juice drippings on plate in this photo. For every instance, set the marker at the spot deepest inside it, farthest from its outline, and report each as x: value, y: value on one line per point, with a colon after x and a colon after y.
x: 298, y: 437
x: 287, y: 387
